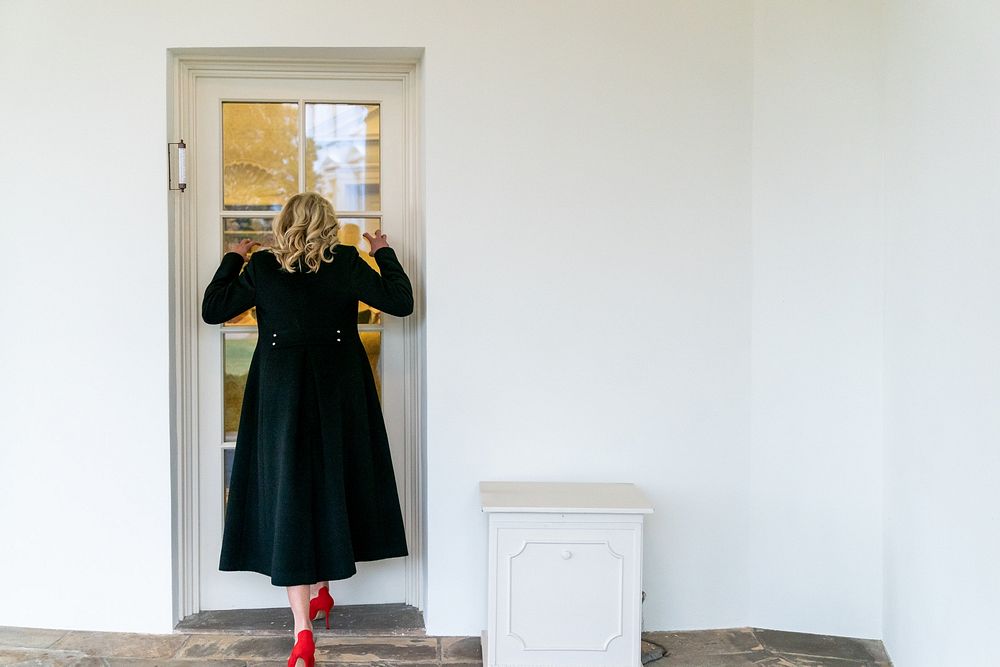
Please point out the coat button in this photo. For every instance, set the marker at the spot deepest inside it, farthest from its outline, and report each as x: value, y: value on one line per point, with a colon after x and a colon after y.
x: 273, y: 343
x: 338, y: 330
x: 338, y: 340
x: 275, y: 335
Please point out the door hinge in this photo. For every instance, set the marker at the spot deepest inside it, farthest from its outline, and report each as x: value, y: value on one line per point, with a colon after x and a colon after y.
x: 180, y: 154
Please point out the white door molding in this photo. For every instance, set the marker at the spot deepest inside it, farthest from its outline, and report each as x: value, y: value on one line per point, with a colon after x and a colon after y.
x: 186, y: 66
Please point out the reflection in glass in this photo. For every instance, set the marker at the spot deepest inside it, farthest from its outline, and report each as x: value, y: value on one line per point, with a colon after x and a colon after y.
x: 255, y: 229
x: 234, y: 229
x: 245, y: 319
x: 260, y: 155
x: 352, y: 232
x: 343, y: 154
x: 372, y: 341
x: 227, y: 474
x: 237, y: 350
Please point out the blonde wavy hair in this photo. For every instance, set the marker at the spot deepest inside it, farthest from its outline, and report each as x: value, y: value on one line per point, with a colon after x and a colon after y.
x: 306, y: 229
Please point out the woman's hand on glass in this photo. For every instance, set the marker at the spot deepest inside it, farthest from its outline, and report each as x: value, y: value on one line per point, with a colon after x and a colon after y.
x: 243, y: 247
x: 376, y: 242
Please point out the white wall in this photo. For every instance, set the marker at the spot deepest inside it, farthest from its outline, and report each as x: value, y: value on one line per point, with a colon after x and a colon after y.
x: 942, y: 332
x: 815, y: 547
x: 588, y: 272
x: 588, y: 265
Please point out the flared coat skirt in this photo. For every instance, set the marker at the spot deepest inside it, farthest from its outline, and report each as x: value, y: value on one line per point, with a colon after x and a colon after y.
x: 312, y: 489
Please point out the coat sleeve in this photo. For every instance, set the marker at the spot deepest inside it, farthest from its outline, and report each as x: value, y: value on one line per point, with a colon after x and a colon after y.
x: 389, y: 291
x: 230, y: 292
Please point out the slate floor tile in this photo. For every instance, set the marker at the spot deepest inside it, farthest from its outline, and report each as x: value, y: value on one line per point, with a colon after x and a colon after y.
x: 29, y: 637
x: 373, y: 649
x: 812, y: 661
x: 47, y: 658
x: 824, y: 646
x: 142, y: 662
x: 235, y: 647
x: 349, y: 650
x: 687, y: 645
x: 747, y: 659
x: 120, y: 644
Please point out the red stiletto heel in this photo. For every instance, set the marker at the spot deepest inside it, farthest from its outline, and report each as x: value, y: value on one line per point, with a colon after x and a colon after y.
x: 322, y: 602
x: 304, y: 649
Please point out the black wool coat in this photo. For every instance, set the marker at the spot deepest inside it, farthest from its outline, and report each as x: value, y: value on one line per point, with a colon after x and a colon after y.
x: 312, y: 488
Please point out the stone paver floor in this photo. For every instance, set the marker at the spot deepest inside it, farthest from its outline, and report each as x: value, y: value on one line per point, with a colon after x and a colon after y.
x: 708, y: 648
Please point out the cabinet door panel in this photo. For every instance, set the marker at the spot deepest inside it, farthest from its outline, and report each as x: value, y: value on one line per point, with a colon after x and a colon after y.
x: 561, y: 590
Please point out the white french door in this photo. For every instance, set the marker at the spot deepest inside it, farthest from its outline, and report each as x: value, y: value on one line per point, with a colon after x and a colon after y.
x: 257, y: 142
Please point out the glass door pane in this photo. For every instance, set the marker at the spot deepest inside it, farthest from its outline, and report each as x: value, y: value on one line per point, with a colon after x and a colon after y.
x: 352, y: 232
x: 260, y: 155
x: 343, y: 154
x: 234, y: 229
x: 237, y: 350
x: 257, y: 229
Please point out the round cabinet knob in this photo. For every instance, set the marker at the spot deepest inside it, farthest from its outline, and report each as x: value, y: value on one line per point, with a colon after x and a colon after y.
x: 566, y: 554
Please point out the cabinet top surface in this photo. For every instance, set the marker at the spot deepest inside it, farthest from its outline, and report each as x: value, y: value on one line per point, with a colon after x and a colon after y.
x: 611, y: 497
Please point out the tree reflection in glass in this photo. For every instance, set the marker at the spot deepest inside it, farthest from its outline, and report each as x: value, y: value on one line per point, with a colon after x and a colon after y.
x: 260, y: 155
x: 237, y: 350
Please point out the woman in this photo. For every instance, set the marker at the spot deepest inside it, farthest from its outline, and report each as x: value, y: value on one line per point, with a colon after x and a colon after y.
x: 312, y: 489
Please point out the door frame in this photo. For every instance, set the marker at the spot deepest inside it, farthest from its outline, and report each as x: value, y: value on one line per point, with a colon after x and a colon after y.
x: 185, y: 67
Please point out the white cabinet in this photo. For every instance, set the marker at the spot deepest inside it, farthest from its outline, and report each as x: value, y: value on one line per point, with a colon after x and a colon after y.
x: 565, y: 573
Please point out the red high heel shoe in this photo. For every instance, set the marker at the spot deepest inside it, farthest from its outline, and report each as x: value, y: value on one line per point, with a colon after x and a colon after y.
x: 322, y: 602
x: 304, y: 649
